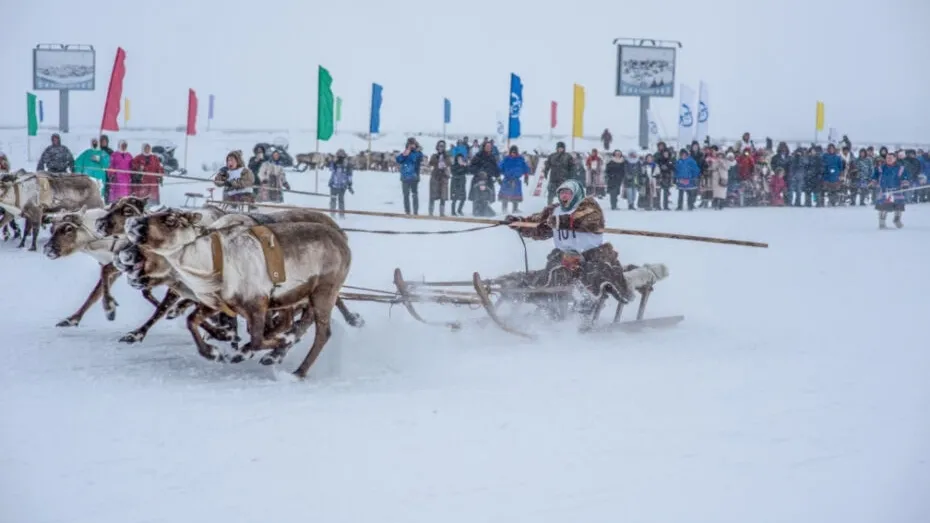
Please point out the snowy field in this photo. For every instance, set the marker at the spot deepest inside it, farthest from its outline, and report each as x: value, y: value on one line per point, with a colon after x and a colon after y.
x: 795, y: 390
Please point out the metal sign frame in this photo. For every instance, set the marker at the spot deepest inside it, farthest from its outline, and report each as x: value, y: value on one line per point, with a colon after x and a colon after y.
x: 66, y: 50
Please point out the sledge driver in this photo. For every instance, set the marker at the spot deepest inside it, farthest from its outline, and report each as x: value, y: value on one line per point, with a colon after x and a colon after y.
x: 575, y: 224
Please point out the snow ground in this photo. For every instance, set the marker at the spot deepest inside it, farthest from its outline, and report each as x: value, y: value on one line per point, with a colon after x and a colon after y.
x: 795, y: 390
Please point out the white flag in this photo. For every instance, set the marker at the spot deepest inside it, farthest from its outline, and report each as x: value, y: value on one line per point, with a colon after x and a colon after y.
x: 653, y: 129
x: 701, y: 129
x: 685, y: 116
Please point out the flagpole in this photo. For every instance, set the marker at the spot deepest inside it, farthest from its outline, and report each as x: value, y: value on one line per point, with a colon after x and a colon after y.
x: 316, y: 167
x: 187, y: 137
x: 371, y: 108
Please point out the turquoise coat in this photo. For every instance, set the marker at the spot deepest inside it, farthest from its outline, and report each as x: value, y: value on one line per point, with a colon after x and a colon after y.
x: 94, y: 163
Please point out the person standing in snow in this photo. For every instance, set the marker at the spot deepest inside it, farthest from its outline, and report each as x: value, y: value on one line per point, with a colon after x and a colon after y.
x: 56, y: 158
x: 513, y: 168
x: 559, y: 166
x: 409, y: 166
x: 614, y: 171
x: 94, y: 163
x: 340, y: 181
x: 439, y: 164
x: 458, y: 192
x: 890, y: 177
x: 687, y: 175
x: 147, y: 175
x: 119, y: 177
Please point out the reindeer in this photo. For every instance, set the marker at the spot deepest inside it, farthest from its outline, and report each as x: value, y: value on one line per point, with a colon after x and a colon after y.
x: 147, y: 270
x: 73, y: 232
x: 34, y: 194
x: 251, y: 270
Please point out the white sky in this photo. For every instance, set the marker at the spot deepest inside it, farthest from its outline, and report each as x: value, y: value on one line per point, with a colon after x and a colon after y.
x: 765, y: 64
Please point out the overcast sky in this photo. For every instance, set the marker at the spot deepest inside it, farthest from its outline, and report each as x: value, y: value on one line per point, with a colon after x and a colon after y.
x: 766, y: 64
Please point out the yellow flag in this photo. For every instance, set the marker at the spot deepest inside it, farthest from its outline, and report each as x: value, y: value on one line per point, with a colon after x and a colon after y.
x: 820, y: 116
x: 578, y: 112
x: 125, y: 110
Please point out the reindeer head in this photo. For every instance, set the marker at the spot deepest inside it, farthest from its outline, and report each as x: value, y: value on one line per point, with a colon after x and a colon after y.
x: 142, y: 268
x: 69, y: 234
x: 6, y: 189
x: 164, y: 232
x: 113, y: 223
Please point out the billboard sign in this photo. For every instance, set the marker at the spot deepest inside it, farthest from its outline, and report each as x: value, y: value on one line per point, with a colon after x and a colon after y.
x: 63, y: 68
x: 645, y: 71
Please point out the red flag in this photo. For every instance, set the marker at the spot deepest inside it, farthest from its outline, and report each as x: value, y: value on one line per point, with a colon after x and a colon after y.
x: 552, y: 114
x: 191, y: 112
x: 114, y: 93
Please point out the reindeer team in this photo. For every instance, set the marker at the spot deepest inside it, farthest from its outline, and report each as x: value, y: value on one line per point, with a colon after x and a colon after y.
x: 282, y: 272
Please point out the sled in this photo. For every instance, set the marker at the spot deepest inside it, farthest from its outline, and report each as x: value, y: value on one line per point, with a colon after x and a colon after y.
x: 492, y: 294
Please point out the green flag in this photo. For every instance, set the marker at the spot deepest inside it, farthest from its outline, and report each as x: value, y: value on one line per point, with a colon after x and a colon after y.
x: 338, y: 109
x: 324, y: 106
x: 32, y: 119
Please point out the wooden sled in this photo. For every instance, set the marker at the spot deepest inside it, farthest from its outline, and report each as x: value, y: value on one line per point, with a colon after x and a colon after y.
x: 492, y: 294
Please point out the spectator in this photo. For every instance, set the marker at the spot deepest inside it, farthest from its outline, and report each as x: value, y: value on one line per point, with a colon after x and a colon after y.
x: 718, y: 169
x: 486, y: 161
x: 559, y: 167
x: 409, y: 164
x: 687, y: 175
x: 340, y: 181
x: 440, y: 166
x: 634, y: 178
x: 458, y: 192
x: 237, y: 181
x: 119, y: 175
x: 56, y: 158
x: 94, y: 163
x: 651, y: 173
x: 273, y: 179
x: 513, y: 167
x: 147, y: 175
x: 606, y: 139
x: 615, y: 170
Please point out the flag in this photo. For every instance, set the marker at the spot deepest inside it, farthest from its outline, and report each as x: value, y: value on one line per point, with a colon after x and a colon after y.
x: 114, y: 93
x: 501, y: 127
x: 553, y: 112
x: 374, y: 124
x: 653, y: 128
x: 325, y: 125
x: 685, y: 115
x: 338, y: 109
x: 41, y: 111
x: 125, y: 110
x: 446, y: 111
x: 516, y: 103
x: 578, y: 112
x: 701, y: 129
x: 210, y: 109
x: 191, y: 113
x: 820, y: 111
x: 32, y: 120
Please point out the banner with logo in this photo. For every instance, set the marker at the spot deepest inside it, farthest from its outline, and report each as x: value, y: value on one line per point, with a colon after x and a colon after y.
x: 701, y: 129
x: 686, y: 115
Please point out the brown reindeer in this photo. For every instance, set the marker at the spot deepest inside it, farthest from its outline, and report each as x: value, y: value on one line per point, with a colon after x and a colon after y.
x: 37, y: 193
x: 250, y: 271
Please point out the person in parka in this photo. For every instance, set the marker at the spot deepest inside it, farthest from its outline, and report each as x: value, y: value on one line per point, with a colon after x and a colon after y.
x: 440, y: 165
x: 408, y: 163
x: 634, y: 179
x: 458, y: 191
x: 236, y: 180
x: 56, y: 158
x: 486, y: 161
x: 860, y: 176
x: 559, y: 166
x: 719, y: 170
x: 514, y: 170
x: 833, y: 167
x: 687, y: 175
x: 94, y: 162
x: 615, y: 171
x: 666, y: 163
x: 340, y: 181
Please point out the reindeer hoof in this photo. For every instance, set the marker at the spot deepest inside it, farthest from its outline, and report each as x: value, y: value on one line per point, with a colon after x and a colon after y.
x: 133, y: 337
x: 67, y: 322
x: 211, y: 353
x: 355, y: 320
x: 111, y: 314
x: 271, y: 359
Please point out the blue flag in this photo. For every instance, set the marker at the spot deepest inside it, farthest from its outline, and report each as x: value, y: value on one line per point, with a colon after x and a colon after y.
x: 516, y: 104
x: 446, y: 111
x: 41, y: 112
x: 210, y: 113
x: 374, y: 126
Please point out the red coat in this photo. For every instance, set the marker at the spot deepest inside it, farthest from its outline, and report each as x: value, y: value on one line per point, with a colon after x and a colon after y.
x: 148, y: 182
x: 777, y: 188
x: 745, y: 163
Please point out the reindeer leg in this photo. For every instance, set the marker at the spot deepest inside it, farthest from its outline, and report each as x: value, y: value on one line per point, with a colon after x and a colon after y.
x: 35, y: 229
x: 149, y: 297
x: 217, y: 326
x: 179, y: 308
x: 193, y: 324
x: 255, y: 315
x: 109, y: 274
x: 15, y: 226
x: 75, y: 319
x: 27, y: 227
x: 323, y: 300
x: 139, y: 334
x: 352, y: 318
